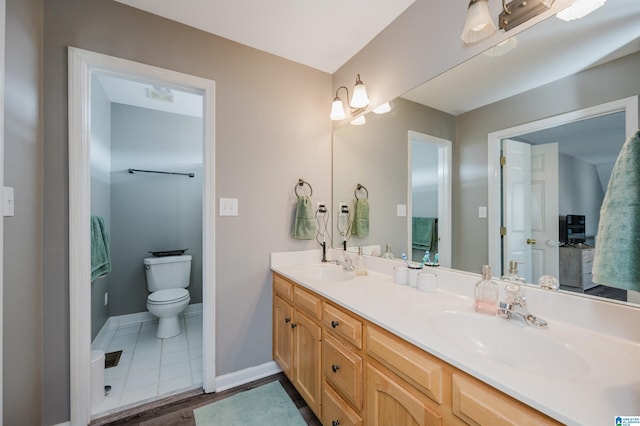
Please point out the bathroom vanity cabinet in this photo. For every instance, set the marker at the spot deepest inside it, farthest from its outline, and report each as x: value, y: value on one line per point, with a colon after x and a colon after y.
x: 353, y: 372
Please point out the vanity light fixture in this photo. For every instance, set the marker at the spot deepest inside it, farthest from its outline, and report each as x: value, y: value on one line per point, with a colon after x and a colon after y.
x: 502, y: 47
x: 579, y: 9
x: 382, y: 109
x: 478, y: 24
x: 357, y: 104
x: 359, y: 121
x: 520, y: 11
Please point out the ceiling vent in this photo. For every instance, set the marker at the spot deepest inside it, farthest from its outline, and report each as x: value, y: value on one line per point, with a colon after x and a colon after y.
x: 160, y: 94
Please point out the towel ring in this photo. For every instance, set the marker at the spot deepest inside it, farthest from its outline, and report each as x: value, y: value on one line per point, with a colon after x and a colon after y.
x: 302, y: 183
x: 358, y: 188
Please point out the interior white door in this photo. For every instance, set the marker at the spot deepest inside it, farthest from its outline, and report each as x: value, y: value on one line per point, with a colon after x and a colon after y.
x: 544, y: 211
x: 516, y: 216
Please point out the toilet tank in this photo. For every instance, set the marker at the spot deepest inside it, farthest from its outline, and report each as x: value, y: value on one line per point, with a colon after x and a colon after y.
x: 167, y: 272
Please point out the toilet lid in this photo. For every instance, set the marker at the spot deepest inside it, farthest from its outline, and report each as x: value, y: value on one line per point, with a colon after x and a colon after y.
x: 167, y: 296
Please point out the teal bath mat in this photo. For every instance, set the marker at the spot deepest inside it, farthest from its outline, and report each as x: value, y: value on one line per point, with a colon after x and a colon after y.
x: 265, y: 405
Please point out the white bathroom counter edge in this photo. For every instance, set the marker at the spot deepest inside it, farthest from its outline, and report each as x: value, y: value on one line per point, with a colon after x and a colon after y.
x: 569, y: 401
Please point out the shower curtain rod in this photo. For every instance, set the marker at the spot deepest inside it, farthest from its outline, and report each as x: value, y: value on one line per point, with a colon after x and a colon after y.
x: 160, y: 172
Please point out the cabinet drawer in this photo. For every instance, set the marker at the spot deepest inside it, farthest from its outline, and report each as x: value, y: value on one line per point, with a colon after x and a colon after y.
x: 342, y: 367
x: 308, y: 302
x: 343, y: 325
x: 283, y: 288
x: 337, y: 412
x: 407, y: 361
x: 477, y: 404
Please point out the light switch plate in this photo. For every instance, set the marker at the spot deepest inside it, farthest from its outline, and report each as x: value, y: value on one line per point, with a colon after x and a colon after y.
x: 401, y: 210
x: 8, y: 201
x: 228, y: 207
x: 482, y: 212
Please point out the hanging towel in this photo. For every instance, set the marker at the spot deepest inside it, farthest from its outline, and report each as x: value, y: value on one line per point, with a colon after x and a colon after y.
x: 304, y: 227
x: 424, y: 232
x: 360, y: 225
x: 100, y: 259
x: 615, y: 262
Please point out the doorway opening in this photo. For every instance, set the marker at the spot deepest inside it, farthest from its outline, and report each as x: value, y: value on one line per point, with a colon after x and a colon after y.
x: 429, y: 198
x: 85, y: 70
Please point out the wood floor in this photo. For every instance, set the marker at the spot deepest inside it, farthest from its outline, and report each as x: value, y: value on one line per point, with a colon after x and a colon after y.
x: 178, y: 410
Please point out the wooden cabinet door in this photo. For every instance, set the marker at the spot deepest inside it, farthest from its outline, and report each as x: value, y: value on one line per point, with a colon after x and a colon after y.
x: 307, y: 347
x: 282, y: 334
x: 392, y: 402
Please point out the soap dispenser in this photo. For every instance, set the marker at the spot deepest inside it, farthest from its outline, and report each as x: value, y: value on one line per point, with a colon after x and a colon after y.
x: 512, y: 273
x: 361, y: 263
x: 387, y: 253
x: 486, y: 293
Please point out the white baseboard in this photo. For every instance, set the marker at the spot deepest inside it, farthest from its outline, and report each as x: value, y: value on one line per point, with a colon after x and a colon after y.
x: 64, y: 424
x: 238, y: 378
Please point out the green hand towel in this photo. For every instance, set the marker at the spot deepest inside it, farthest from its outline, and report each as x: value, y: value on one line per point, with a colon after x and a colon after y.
x: 100, y: 258
x: 615, y: 262
x: 424, y: 232
x: 304, y: 227
x: 360, y: 226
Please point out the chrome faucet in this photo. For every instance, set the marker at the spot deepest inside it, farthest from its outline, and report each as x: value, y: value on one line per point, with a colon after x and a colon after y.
x: 347, y: 263
x: 516, y: 307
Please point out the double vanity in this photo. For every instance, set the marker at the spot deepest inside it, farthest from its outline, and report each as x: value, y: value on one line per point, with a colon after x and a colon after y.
x: 363, y: 350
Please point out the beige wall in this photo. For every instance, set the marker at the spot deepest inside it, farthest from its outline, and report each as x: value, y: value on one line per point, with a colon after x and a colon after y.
x: 267, y: 136
x: 22, y: 333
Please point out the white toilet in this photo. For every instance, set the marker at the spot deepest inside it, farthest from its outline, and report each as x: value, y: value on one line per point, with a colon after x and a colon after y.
x: 167, y: 281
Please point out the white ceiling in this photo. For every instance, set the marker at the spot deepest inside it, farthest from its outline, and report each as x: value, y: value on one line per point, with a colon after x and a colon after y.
x: 323, y: 34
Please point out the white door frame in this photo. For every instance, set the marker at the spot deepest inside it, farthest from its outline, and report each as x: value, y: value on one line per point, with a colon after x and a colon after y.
x: 444, y: 194
x: 628, y: 105
x: 82, y: 64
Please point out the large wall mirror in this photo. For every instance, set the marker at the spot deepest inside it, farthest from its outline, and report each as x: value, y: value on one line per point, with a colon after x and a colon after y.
x: 553, y: 68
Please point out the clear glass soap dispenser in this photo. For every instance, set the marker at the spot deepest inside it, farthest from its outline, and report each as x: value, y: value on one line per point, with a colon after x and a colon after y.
x: 387, y: 253
x: 486, y: 293
x: 361, y: 263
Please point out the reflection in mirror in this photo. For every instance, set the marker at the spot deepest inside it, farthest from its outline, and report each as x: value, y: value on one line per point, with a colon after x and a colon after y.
x: 553, y: 175
x: 556, y: 67
x: 376, y: 156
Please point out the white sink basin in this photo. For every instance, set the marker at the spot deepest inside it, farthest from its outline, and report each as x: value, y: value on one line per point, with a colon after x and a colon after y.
x: 509, y: 342
x: 326, y: 272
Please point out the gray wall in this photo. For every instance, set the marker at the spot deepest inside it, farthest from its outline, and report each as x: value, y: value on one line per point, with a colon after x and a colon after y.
x: 605, y: 83
x: 153, y: 212
x: 267, y: 136
x: 383, y: 142
x: 22, y: 333
x: 100, y: 190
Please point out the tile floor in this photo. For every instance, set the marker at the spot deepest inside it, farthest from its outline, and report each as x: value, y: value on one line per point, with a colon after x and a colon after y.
x: 150, y: 367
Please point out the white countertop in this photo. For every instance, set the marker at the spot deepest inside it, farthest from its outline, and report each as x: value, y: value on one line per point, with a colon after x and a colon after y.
x: 600, y: 383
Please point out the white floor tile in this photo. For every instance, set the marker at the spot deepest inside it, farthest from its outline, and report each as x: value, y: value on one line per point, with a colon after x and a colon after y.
x: 174, y: 370
x: 126, y: 330
x: 175, y: 357
x: 137, y: 380
x: 150, y: 367
x: 139, y: 365
x: 138, y: 395
x: 173, y: 385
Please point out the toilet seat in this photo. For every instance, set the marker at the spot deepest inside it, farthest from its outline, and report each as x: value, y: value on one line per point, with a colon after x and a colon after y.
x: 171, y: 295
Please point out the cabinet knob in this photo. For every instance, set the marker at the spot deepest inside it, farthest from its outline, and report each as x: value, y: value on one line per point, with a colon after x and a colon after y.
x: 335, y: 423
x: 335, y: 368
x: 287, y: 320
x: 334, y: 324
x: 531, y: 241
x: 294, y: 325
